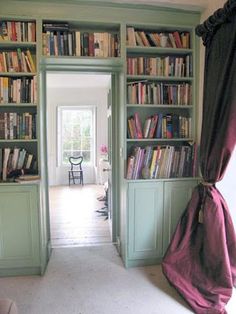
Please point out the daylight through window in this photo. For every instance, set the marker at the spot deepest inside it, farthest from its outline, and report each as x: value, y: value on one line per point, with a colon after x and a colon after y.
x: 76, y: 134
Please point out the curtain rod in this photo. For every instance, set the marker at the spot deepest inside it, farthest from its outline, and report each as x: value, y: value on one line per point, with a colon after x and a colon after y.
x: 213, y: 22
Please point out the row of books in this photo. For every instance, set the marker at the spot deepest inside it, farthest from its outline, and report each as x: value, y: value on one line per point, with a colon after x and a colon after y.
x: 160, y: 125
x: 159, y: 93
x: 153, y: 162
x: 18, y: 90
x: 17, y: 31
x: 145, y: 38
x: 12, y: 161
x: 15, y: 125
x: 76, y: 43
x: 160, y: 66
x: 17, y: 61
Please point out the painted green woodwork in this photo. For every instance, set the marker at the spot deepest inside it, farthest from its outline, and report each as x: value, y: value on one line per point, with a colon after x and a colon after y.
x: 145, y: 220
x: 19, y: 229
x: 154, y: 209
x: 142, y: 234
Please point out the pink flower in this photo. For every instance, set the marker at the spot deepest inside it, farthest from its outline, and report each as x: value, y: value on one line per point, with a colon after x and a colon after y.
x: 103, y: 149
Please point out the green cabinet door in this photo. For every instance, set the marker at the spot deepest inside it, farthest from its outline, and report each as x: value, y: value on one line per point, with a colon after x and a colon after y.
x: 145, y: 222
x: 19, y: 229
x: 176, y: 197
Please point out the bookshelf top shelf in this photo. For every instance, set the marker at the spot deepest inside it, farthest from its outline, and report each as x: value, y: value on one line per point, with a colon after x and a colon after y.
x: 163, y: 28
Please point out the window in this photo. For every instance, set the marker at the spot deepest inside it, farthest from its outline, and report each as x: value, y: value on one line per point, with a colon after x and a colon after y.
x: 75, y: 133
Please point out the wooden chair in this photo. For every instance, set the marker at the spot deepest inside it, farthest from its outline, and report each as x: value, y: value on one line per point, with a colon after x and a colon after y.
x: 76, y: 171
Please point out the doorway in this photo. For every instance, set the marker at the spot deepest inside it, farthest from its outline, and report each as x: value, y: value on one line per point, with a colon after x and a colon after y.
x: 77, y: 124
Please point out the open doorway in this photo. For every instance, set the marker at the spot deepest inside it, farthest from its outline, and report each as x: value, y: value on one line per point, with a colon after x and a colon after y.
x: 77, y: 125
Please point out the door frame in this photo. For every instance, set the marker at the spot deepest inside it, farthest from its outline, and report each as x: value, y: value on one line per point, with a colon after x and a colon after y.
x: 80, y: 66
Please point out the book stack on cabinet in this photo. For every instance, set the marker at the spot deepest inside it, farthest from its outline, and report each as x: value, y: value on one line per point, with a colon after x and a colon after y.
x: 160, y: 107
x: 18, y: 98
x: 65, y: 39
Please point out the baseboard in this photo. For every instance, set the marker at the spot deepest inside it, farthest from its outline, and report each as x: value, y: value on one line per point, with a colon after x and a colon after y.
x: 21, y: 271
x: 142, y: 262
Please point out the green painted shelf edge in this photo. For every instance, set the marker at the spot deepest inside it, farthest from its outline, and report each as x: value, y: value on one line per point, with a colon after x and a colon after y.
x: 17, y: 74
x: 13, y: 44
x: 18, y: 105
x: 159, y: 78
x: 162, y: 180
x: 25, y: 183
x: 166, y: 106
x: 158, y: 50
x: 18, y: 140
x: 159, y: 139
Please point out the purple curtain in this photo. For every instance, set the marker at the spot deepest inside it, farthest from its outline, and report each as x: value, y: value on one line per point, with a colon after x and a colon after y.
x: 200, y: 261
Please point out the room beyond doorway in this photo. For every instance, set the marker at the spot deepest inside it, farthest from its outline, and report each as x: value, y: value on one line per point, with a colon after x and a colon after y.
x: 73, y: 216
x: 77, y: 124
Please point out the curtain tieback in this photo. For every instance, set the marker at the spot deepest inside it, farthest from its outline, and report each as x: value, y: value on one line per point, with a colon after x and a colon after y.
x: 206, y: 183
x: 200, y: 213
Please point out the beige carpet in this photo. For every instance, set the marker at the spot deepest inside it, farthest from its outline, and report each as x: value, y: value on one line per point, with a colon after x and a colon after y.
x: 92, y: 280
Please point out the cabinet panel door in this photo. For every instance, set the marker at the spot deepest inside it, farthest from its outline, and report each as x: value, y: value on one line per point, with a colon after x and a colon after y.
x: 145, y: 219
x: 176, y: 197
x: 19, y: 231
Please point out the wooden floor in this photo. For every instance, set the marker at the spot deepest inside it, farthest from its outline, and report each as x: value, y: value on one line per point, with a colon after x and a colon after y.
x: 73, y: 217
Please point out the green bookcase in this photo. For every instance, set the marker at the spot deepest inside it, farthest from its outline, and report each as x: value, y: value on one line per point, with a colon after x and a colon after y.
x: 141, y: 205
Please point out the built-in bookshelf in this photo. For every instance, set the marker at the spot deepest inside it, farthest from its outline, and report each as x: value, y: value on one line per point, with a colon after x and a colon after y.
x: 18, y: 99
x: 70, y: 39
x: 160, y: 106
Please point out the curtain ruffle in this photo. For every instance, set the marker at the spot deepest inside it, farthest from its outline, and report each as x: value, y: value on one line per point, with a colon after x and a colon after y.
x: 208, y: 28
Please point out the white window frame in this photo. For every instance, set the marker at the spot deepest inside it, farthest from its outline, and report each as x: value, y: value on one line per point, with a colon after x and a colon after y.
x: 60, y: 109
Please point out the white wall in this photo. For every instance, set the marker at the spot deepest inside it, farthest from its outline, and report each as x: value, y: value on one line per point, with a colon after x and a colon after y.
x: 79, y: 97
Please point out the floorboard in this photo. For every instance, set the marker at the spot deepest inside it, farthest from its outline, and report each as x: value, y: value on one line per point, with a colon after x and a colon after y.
x: 73, y: 217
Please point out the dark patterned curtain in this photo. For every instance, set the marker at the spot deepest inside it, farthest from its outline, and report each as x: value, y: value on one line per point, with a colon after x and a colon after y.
x: 200, y: 262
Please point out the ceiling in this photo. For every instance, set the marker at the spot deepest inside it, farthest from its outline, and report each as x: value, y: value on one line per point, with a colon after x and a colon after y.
x: 78, y: 80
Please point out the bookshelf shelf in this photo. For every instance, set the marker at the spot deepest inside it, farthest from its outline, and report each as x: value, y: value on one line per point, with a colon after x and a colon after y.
x: 158, y: 50
x: 17, y: 44
x: 17, y: 105
x: 156, y: 140
x: 18, y: 141
x: 15, y: 74
x: 159, y: 78
x: 158, y: 106
x: 162, y: 180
